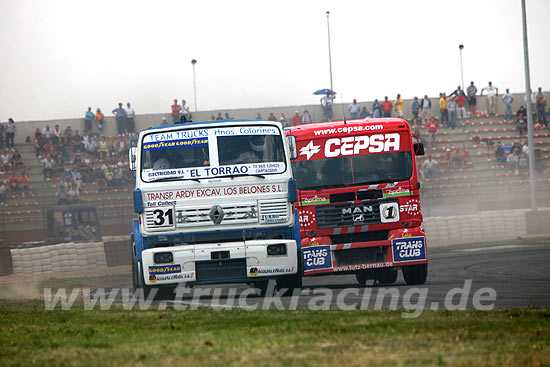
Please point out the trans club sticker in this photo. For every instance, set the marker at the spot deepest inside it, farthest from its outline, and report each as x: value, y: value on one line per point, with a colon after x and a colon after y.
x: 408, y: 249
x: 317, y: 257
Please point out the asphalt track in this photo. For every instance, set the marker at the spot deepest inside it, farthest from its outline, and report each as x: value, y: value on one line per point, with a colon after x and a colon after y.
x: 520, y: 276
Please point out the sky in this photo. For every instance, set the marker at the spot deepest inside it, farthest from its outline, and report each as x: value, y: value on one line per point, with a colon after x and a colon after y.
x: 60, y: 56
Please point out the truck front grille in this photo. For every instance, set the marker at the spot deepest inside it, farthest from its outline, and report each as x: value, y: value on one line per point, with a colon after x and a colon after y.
x: 357, y: 256
x: 347, y: 214
x: 241, y: 213
x: 209, y: 271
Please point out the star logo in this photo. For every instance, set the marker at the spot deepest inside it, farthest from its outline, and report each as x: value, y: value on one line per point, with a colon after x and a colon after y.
x: 309, y: 150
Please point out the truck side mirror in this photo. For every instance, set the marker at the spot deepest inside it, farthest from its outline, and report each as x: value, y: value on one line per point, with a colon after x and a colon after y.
x: 292, y: 146
x: 418, y: 146
x: 132, y: 158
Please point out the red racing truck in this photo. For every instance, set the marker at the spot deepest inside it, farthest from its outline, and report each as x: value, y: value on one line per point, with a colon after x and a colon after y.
x: 359, y: 200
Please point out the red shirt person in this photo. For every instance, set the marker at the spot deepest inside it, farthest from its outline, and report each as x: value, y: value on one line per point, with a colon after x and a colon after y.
x: 387, y: 107
x: 432, y: 126
x: 176, y: 111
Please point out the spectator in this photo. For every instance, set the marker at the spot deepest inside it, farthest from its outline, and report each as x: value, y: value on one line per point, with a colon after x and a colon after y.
x: 460, y: 109
x: 163, y: 121
x: 271, y: 117
x: 2, y: 136
x: 458, y: 92
x: 472, y: 91
x: 432, y: 126
x: 47, y: 131
x: 24, y: 184
x: 176, y: 112
x: 521, y: 117
x: 425, y: 108
x: 77, y: 142
x: 226, y: 116
x: 430, y: 167
x: 100, y: 120
x: 88, y: 118
x: 451, y: 107
x: 492, y: 93
x: 376, y: 109
x: 296, y: 119
x: 10, y: 133
x: 62, y: 197
x: 130, y: 119
x: 354, y: 110
x: 457, y: 158
x: 326, y: 103
x: 513, y: 161
x: 17, y: 160
x: 2, y: 193
x: 387, y: 107
x: 541, y: 108
x: 306, y: 118
x: 6, y: 164
x: 120, y: 116
x: 103, y: 148
x: 72, y: 193
x: 50, y: 149
x: 213, y: 118
x: 13, y: 182
x: 38, y: 142
x: 57, y: 131
x: 500, y: 154
x: 364, y: 113
x: 185, y: 114
x: 259, y: 116
x: 283, y: 120
x: 219, y: 117
x: 415, y: 108
x: 443, y: 109
x: 68, y: 131
x: 398, y: 103
x: 48, y: 163
x: 508, y: 99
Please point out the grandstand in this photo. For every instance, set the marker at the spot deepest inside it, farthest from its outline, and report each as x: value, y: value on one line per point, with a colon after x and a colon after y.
x: 482, y: 185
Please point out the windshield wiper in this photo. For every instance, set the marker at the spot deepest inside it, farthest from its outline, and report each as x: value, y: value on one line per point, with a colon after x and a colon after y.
x: 174, y: 179
x: 246, y: 174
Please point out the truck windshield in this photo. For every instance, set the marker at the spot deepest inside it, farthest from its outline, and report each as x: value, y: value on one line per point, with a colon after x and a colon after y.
x: 353, y: 170
x: 212, y: 152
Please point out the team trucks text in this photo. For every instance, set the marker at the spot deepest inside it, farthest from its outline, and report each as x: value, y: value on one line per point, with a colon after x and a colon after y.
x: 215, y: 204
x: 359, y: 200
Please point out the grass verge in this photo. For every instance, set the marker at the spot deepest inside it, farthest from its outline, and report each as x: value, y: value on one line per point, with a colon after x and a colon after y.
x: 32, y: 336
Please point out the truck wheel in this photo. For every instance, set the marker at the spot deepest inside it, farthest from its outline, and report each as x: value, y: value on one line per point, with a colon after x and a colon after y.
x: 261, y: 288
x: 361, y: 277
x: 135, y: 271
x: 146, y: 288
x: 415, y: 274
x: 388, y: 276
x: 292, y: 282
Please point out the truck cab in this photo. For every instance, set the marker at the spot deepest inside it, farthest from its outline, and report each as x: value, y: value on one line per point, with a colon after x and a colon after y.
x: 359, y: 200
x: 214, y: 203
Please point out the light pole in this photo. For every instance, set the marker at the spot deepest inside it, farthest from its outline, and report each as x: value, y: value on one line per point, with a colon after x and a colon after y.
x: 329, y: 56
x: 530, y: 137
x: 193, y: 62
x: 460, y: 47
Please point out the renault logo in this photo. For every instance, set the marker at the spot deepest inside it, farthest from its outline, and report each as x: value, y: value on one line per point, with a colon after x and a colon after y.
x: 216, y: 214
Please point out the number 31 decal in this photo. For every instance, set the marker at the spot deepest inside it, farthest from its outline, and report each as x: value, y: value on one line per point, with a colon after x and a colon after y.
x: 162, y: 216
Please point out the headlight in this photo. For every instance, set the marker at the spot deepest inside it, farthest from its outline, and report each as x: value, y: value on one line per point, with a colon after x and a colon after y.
x: 163, y: 258
x: 279, y: 249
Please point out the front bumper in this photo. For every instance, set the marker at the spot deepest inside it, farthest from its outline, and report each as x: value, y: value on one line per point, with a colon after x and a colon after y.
x: 351, y: 257
x: 213, y: 263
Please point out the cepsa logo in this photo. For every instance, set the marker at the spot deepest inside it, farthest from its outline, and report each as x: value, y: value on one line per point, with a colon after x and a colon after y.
x: 354, y: 145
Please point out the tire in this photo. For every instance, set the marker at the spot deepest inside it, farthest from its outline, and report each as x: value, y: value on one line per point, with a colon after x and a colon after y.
x: 261, y: 288
x: 292, y: 282
x: 388, y: 276
x: 361, y: 277
x: 141, y: 284
x: 135, y: 271
x: 415, y: 274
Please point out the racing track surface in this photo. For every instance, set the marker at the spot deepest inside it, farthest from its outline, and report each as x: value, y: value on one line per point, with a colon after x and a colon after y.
x: 520, y: 275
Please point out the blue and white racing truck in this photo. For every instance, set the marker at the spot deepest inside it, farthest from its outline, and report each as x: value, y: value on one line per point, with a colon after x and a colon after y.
x: 214, y: 203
